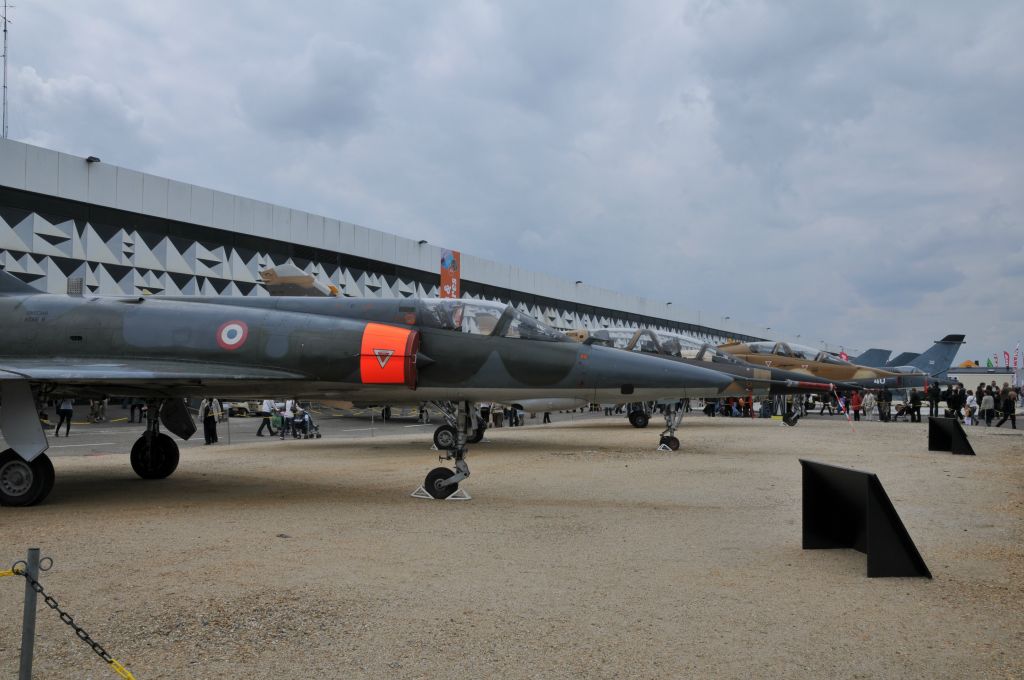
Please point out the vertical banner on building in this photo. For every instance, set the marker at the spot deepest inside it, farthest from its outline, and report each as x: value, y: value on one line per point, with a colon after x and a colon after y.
x: 451, y: 274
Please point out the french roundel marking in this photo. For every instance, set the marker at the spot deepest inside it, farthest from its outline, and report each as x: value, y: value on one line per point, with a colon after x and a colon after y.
x: 232, y: 334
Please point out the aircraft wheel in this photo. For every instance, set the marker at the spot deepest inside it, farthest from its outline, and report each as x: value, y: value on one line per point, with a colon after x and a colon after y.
x: 445, y: 438
x: 154, y: 457
x: 477, y: 435
x: 433, y: 483
x: 24, y: 483
x: 638, y: 419
x: 671, y: 442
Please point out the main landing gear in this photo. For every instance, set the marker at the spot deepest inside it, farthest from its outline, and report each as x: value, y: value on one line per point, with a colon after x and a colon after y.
x: 23, y: 482
x: 638, y: 417
x: 442, y: 482
x: 446, y: 436
x: 673, y: 418
x: 155, y: 454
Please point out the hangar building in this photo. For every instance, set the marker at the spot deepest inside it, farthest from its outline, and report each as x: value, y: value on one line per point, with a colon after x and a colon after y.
x: 124, y: 232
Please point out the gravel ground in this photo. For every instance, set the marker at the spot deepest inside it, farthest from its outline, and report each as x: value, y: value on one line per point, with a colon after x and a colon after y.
x: 584, y: 553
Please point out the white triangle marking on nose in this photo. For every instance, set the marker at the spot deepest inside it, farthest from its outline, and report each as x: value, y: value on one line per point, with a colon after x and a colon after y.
x: 383, y: 356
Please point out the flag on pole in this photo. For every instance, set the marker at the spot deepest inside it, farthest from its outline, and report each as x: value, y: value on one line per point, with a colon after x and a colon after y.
x: 844, y: 356
x: 1006, y: 358
x: 988, y: 362
x: 1016, y: 355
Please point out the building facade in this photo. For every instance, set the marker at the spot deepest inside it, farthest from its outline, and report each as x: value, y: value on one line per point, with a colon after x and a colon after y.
x: 123, y: 232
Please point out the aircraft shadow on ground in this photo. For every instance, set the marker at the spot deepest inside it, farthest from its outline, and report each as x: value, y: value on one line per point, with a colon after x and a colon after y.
x: 85, y: 488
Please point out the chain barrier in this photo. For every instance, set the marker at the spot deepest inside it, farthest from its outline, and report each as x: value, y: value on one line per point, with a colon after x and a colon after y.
x: 97, y: 648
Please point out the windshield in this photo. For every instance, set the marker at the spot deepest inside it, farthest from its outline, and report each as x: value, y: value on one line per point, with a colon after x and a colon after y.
x: 482, y: 317
x: 762, y: 347
x: 805, y: 352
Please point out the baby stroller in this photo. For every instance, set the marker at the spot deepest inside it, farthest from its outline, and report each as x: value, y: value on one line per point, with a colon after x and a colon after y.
x: 303, y: 426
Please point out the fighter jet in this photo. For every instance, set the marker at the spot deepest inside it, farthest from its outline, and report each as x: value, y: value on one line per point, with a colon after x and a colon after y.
x: 747, y: 379
x: 928, y: 367
x: 164, y: 349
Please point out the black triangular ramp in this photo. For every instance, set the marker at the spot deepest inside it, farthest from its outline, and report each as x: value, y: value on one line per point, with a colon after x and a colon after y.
x: 947, y: 434
x: 891, y: 551
x: 844, y: 508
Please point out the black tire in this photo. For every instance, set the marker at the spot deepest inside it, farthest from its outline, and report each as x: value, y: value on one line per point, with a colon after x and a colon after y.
x: 477, y: 436
x: 638, y: 419
x: 154, y: 457
x: 445, y: 438
x: 434, y: 478
x: 23, y: 483
x: 671, y: 442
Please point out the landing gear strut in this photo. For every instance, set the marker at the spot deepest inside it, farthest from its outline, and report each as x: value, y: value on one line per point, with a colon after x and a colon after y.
x: 442, y: 482
x: 673, y: 417
x: 154, y: 455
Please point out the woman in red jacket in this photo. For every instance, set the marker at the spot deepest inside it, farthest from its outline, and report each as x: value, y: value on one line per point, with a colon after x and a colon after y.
x: 855, y: 403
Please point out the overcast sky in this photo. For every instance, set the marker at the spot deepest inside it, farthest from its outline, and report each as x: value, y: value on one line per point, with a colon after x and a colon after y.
x: 848, y: 171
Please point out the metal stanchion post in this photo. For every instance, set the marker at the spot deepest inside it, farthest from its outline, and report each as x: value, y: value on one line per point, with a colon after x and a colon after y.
x: 28, y: 621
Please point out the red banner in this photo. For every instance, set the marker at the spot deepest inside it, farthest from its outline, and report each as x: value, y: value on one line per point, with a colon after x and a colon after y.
x: 451, y: 269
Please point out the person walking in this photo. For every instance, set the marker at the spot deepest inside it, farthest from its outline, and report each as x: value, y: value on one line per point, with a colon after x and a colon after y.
x: 869, y: 405
x: 547, y: 418
x: 855, y: 404
x: 988, y: 405
x: 65, y: 410
x: 934, y: 394
x: 209, y: 411
x: 1009, y: 408
x: 884, y: 405
x: 287, y: 417
x: 266, y: 410
x: 915, y: 406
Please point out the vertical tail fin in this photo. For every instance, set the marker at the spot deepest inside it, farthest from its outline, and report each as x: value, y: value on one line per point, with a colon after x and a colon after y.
x: 937, y: 360
x: 904, y: 359
x: 872, y: 358
x: 12, y: 285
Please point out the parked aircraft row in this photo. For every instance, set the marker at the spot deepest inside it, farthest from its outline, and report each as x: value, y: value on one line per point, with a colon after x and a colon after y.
x: 459, y: 352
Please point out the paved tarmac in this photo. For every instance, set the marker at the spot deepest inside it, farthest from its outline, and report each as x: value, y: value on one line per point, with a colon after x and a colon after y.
x: 117, y: 435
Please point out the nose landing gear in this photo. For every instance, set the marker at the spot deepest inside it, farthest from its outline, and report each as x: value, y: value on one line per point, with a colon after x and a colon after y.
x: 443, y: 483
x: 673, y: 418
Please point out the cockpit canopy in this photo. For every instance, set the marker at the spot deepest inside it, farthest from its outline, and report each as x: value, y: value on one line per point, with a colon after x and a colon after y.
x: 656, y: 342
x: 784, y: 349
x: 483, y: 317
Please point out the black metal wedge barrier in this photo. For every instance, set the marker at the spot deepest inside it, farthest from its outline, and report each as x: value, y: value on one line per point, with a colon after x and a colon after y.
x: 29, y: 569
x: 844, y: 508
x: 947, y: 434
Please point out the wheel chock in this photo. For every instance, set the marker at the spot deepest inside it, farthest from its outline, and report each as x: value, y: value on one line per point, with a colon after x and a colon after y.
x: 663, y: 447
x: 459, y: 495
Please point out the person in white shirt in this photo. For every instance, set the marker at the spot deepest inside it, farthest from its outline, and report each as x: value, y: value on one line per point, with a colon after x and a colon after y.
x: 971, y: 408
x: 65, y: 409
x: 286, y: 417
x: 209, y: 411
x: 266, y: 408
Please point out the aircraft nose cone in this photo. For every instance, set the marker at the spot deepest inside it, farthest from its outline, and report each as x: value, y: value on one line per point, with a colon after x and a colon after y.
x: 698, y: 376
x: 649, y: 371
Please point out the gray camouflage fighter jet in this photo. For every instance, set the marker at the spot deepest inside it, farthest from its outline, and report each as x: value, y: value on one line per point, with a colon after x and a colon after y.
x: 164, y: 349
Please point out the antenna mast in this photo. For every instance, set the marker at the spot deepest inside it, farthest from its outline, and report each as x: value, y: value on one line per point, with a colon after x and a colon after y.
x: 6, y: 21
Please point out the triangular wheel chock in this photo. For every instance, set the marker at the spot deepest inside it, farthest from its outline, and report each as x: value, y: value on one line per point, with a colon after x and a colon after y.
x: 459, y: 495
